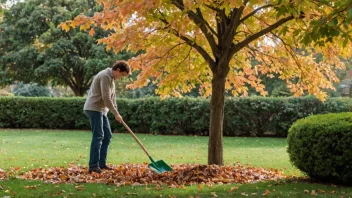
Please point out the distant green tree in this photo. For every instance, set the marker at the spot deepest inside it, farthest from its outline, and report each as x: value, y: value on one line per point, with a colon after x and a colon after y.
x: 34, y: 49
x: 30, y: 90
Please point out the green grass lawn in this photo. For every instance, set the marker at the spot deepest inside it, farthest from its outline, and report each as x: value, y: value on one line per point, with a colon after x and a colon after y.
x: 44, y: 148
x: 28, y: 149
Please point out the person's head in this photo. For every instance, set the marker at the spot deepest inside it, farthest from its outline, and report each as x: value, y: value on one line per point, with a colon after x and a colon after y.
x: 120, y: 69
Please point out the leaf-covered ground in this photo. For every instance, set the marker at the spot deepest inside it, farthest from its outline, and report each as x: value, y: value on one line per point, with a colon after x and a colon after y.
x: 140, y: 174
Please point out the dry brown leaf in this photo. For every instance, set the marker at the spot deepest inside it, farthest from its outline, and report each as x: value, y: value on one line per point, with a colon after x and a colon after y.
x: 79, y: 188
x: 314, y: 193
x: 214, y: 194
x: 200, y: 187
x: 233, y: 188
x: 321, y: 191
x: 158, y: 187
x: 266, y: 192
x: 172, y: 186
x: 30, y: 187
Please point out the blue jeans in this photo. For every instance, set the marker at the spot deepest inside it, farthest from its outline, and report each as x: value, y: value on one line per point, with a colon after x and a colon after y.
x: 101, y: 138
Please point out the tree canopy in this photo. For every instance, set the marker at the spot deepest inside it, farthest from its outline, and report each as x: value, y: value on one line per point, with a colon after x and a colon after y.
x: 212, y: 43
x: 34, y: 49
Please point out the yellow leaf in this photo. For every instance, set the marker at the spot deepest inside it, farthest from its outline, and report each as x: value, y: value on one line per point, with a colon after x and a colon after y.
x: 91, y: 32
x: 84, y: 27
x: 64, y: 26
x: 73, y: 24
x: 236, y: 3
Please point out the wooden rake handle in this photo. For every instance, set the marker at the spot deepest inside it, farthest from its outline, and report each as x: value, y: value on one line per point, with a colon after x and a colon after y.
x: 135, y: 137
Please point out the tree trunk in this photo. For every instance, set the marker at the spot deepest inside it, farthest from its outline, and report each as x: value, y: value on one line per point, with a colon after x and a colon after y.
x: 78, y: 91
x: 215, y: 147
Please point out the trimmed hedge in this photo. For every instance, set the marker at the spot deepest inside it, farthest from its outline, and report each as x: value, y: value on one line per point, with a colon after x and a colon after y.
x: 320, y: 146
x: 254, y: 116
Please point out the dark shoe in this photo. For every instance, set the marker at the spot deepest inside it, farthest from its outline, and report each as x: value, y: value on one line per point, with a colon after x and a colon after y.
x: 106, y: 168
x: 97, y: 170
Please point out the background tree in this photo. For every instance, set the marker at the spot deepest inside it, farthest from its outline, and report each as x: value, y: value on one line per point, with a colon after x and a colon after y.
x: 4, y: 5
x: 34, y: 49
x: 212, y: 43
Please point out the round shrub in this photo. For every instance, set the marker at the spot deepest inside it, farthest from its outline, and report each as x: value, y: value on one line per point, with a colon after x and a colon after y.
x: 321, y: 147
x: 31, y: 90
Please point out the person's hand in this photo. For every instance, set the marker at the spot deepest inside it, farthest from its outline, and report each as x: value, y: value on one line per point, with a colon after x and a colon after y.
x: 118, y: 117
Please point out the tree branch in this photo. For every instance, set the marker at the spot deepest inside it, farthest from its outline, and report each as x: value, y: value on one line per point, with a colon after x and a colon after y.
x: 213, y: 8
x: 203, y: 25
x: 254, y: 12
x: 234, y: 23
x: 168, y: 52
x: 290, y: 51
x: 189, y: 42
x: 188, y: 55
x: 239, y: 46
x: 67, y: 79
x: 199, y: 12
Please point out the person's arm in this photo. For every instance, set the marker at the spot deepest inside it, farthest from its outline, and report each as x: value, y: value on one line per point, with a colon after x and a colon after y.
x: 106, y: 95
x: 114, y: 102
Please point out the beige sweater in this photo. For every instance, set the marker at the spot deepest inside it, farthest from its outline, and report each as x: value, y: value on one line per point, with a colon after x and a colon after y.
x: 101, y: 96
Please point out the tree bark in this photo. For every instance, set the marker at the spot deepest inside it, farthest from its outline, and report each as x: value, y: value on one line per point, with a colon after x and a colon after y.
x: 215, y: 148
x: 78, y: 90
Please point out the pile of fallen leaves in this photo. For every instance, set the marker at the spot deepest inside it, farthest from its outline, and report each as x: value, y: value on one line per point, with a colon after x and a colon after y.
x: 140, y: 174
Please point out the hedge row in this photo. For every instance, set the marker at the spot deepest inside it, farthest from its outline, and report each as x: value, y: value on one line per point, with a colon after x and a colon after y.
x: 255, y: 116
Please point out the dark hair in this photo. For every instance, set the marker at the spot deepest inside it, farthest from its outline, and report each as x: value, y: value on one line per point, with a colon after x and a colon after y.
x: 122, y: 65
